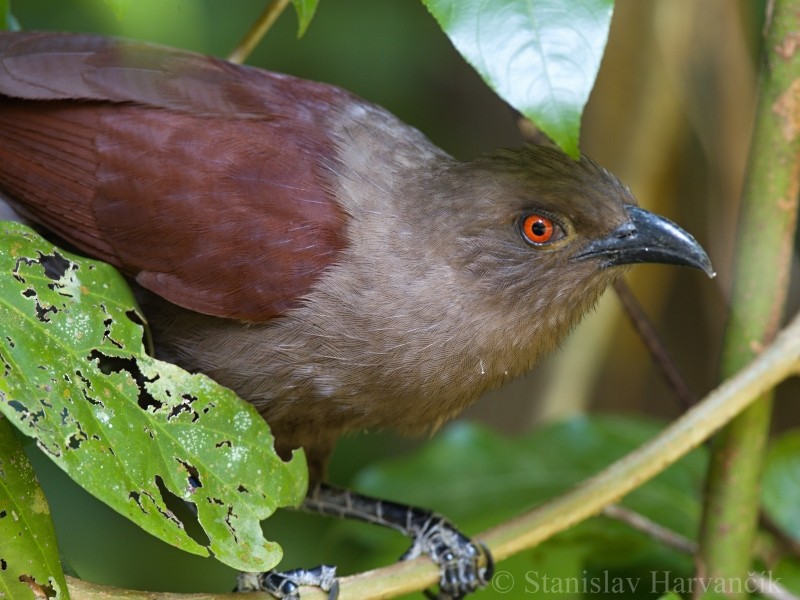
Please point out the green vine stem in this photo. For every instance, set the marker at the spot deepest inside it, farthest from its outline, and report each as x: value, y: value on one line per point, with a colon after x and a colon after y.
x: 257, y: 32
x: 779, y: 361
x: 767, y: 224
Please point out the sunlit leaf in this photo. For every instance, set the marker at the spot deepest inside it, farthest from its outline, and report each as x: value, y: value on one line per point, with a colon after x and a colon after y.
x: 7, y: 20
x: 305, y: 10
x: 119, y: 7
x: 29, y: 565
x: 540, y: 56
x: 133, y: 431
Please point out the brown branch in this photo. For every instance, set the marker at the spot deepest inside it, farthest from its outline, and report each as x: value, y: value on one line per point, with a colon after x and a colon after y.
x: 661, y: 534
x: 661, y: 356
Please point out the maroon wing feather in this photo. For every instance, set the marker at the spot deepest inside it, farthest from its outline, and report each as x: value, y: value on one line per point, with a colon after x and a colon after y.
x: 202, y: 179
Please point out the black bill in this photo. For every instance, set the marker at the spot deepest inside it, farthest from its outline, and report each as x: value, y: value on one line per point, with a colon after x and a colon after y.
x: 648, y: 238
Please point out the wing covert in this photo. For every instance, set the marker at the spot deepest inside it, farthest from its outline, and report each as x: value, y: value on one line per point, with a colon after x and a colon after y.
x: 203, y: 180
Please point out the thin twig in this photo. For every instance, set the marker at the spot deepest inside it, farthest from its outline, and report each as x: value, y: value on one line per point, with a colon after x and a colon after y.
x: 663, y: 535
x: 661, y: 356
x: 257, y: 31
x: 766, y: 586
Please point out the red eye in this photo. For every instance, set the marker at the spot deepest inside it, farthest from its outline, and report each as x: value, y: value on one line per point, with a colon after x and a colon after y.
x: 538, y: 229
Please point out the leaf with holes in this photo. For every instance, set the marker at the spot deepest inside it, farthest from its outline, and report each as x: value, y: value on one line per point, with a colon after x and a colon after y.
x: 29, y: 565
x: 540, y: 56
x: 133, y: 431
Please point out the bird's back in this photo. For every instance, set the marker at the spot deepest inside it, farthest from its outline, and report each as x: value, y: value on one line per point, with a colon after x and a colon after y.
x: 204, y: 180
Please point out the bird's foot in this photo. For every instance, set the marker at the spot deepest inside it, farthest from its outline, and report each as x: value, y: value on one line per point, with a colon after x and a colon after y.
x: 458, y: 557
x: 284, y: 584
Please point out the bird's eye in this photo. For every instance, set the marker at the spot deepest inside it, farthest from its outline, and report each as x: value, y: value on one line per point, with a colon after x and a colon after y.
x: 539, y: 229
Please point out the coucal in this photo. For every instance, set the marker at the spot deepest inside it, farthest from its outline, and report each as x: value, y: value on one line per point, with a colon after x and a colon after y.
x: 312, y: 252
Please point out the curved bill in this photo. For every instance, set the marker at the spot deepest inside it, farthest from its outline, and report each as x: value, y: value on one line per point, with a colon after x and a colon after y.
x: 647, y: 238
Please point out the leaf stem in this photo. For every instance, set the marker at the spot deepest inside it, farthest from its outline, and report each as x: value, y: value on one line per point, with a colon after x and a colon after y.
x: 257, y: 31
x: 767, y: 225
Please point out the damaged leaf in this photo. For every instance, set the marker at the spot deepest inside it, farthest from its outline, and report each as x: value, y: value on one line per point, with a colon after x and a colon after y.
x: 135, y: 432
x: 29, y: 565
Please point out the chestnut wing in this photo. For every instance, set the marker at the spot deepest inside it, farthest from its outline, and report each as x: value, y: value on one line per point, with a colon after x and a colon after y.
x: 203, y: 180
x: 68, y: 66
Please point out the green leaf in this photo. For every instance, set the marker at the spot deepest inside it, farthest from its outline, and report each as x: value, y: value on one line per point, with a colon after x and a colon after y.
x: 28, y: 551
x: 119, y: 8
x: 132, y: 430
x: 786, y: 574
x: 465, y: 470
x: 305, y: 10
x: 533, y: 468
x: 717, y: 588
x: 540, y: 56
x: 781, y: 484
x: 7, y: 20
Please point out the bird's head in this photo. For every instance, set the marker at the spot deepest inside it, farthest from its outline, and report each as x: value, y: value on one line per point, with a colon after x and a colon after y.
x: 528, y: 215
x: 537, y: 236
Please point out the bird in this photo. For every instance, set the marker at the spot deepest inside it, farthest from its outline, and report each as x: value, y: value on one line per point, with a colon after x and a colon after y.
x: 309, y: 250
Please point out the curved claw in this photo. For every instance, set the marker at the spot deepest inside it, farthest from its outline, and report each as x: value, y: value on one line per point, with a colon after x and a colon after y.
x: 458, y: 558
x: 284, y: 585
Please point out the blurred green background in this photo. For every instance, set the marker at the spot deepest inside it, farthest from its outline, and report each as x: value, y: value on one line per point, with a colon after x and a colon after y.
x: 671, y: 115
